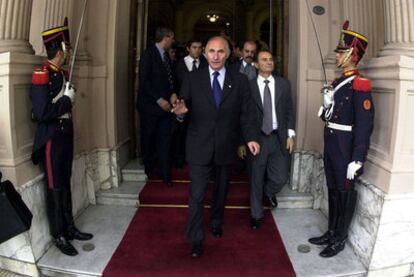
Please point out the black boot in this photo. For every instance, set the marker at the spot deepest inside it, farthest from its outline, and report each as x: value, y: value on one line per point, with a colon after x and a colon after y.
x: 74, y: 233
x: 65, y: 247
x: 332, y: 219
x: 346, y: 208
x: 55, y: 212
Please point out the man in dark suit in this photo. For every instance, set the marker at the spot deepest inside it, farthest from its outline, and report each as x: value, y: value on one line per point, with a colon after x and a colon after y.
x: 156, y: 85
x: 193, y: 61
x: 274, y: 114
x: 245, y: 65
x: 219, y: 104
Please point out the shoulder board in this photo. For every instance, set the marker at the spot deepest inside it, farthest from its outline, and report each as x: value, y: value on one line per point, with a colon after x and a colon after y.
x: 40, y: 77
x: 362, y: 84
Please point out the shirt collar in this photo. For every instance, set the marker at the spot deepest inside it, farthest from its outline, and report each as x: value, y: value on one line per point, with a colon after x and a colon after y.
x: 245, y: 64
x: 261, y: 79
x: 222, y: 71
x: 160, y: 49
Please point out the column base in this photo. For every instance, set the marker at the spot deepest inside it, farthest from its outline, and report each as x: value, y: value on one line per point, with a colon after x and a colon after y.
x: 398, y: 49
x: 16, y: 45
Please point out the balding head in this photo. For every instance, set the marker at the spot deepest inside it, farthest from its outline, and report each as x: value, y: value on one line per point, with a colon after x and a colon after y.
x: 217, y: 51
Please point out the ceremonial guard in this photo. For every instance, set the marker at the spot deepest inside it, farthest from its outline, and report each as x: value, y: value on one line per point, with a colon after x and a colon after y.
x: 348, y: 113
x: 53, y: 98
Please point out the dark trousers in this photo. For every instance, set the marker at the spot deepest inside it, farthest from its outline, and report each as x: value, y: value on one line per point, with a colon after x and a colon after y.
x: 156, y: 143
x: 178, y: 143
x: 337, y: 156
x: 57, y: 163
x: 268, y: 172
x: 199, y: 175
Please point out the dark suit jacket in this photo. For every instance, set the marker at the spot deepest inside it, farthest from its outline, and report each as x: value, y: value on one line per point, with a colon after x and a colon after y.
x: 181, y: 70
x: 283, y: 104
x: 236, y: 66
x: 153, y: 82
x: 213, y: 133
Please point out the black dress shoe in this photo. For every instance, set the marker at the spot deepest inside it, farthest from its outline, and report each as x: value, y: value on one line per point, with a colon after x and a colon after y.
x: 74, y: 233
x: 255, y: 223
x: 217, y: 232
x: 65, y: 247
x: 197, y: 249
x: 333, y: 248
x: 273, y: 202
x: 322, y: 240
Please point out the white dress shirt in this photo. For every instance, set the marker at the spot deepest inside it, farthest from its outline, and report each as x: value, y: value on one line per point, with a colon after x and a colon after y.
x: 261, y: 84
x: 220, y: 78
x: 188, y: 60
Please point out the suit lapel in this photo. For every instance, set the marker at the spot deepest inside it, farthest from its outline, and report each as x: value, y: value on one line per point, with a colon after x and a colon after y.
x: 227, y: 85
x: 256, y: 95
x: 206, y: 85
x: 278, y: 90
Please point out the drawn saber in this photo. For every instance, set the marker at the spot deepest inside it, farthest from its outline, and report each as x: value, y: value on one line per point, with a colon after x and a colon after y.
x: 317, y: 40
x: 72, y: 63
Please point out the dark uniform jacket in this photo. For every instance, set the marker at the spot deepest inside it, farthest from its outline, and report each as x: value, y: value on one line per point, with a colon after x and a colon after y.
x: 213, y: 133
x: 354, y: 107
x: 46, y: 85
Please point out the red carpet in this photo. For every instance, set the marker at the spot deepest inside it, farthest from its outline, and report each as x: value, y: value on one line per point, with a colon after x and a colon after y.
x: 182, y: 175
x: 157, y: 193
x: 154, y: 245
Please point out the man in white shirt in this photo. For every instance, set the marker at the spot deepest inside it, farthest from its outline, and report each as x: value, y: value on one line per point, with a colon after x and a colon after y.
x: 268, y: 171
x: 193, y: 61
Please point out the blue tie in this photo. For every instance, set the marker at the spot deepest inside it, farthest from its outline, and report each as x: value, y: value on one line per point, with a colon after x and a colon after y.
x: 216, y: 89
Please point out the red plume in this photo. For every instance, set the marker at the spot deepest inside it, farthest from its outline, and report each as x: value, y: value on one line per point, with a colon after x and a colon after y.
x: 346, y: 25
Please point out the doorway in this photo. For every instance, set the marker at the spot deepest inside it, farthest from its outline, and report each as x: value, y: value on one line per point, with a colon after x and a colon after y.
x: 238, y: 20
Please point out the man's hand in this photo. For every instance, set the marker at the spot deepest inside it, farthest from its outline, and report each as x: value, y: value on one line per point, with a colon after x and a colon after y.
x: 180, y: 108
x: 164, y: 105
x: 254, y: 147
x: 69, y: 92
x: 242, y: 152
x: 353, y: 167
x: 289, y: 144
x: 173, y: 99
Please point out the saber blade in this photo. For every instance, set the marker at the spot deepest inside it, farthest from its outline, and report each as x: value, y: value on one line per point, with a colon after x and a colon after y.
x: 317, y: 41
x: 72, y: 64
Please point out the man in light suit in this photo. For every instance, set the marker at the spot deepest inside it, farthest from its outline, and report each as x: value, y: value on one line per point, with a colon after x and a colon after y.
x: 245, y: 65
x: 268, y: 171
x: 218, y: 104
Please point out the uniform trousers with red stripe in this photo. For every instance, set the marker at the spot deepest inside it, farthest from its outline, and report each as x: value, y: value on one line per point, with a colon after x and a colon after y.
x: 57, y: 162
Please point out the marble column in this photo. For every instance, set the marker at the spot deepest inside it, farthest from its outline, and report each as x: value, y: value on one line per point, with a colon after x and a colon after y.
x: 15, y: 26
x: 47, y: 14
x: 366, y: 17
x: 399, y: 28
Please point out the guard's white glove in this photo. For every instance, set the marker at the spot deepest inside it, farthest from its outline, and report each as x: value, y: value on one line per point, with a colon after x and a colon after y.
x: 69, y: 92
x: 353, y: 167
x: 328, y: 96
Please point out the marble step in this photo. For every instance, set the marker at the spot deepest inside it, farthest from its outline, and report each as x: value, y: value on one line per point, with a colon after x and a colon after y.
x: 127, y: 195
x: 124, y: 195
x: 134, y: 172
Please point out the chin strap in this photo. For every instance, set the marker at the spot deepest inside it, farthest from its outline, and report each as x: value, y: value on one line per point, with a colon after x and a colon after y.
x: 347, y: 58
